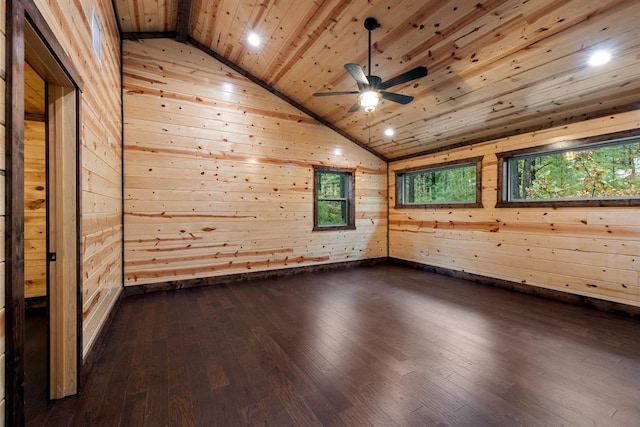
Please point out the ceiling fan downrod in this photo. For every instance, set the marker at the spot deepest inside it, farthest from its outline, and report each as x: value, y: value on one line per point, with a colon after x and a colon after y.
x: 370, y: 24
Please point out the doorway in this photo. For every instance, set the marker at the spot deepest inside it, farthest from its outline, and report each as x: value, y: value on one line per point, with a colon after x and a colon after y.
x: 62, y: 138
x: 31, y: 46
x: 36, y: 343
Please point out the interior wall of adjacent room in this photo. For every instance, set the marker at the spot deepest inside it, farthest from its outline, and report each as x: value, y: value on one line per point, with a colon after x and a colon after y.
x: 35, y: 212
x: 586, y: 251
x: 219, y: 173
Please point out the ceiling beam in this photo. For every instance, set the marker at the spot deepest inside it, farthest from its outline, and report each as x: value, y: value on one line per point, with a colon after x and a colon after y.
x: 183, y: 20
x: 116, y: 15
x: 276, y: 92
x: 134, y: 35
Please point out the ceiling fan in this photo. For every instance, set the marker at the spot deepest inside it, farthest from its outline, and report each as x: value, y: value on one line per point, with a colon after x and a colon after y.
x: 372, y: 88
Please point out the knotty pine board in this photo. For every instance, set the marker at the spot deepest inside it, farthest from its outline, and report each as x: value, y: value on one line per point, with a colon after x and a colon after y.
x: 147, y: 15
x: 35, y: 209
x: 101, y: 174
x: 217, y: 184
x: 586, y: 251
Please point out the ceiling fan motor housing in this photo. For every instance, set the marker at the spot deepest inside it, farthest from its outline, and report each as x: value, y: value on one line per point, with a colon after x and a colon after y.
x: 371, y: 24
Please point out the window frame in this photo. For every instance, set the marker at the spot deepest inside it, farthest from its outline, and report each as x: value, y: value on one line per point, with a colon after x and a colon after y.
x: 472, y: 161
x: 349, y: 197
x: 504, y: 181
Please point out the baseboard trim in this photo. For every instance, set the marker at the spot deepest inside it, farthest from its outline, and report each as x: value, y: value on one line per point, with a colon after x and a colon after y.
x: 244, y: 277
x: 89, y: 361
x: 35, y: 302
x: 620, y: 309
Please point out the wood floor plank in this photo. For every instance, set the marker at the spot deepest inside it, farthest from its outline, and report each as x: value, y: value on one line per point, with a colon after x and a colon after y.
x: 181, y: 410
x: 381, y: 345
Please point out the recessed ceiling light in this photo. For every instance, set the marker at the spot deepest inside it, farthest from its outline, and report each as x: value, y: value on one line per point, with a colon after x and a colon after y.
x: 254, y: 39
x: 389, y: 132
x: 599, y: 57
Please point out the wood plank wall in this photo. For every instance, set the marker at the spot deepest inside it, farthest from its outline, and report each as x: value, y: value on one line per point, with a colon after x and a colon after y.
x: 219, y: 178
x: 593, y: 252
x: 3, y: 168
x: 101, y: 152
x: 35, y: 213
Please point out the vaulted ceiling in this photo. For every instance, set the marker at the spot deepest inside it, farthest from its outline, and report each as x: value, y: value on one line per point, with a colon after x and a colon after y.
x: 496, y: 67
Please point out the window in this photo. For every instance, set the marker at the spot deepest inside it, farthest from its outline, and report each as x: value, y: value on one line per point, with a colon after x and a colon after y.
x: 96, y: 36
x: 603, y: 171
x: 451, y: 184
x: 334, y: 206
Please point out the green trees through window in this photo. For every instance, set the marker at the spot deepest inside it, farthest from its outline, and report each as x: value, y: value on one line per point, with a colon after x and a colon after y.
x: 446, y: 184
x: 334, y: 204
x: 441, y: 186
x: 332, y: 201
x: 591, y: 172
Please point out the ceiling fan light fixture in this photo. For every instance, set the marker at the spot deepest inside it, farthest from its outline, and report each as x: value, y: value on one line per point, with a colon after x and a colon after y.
x: 369, y: 101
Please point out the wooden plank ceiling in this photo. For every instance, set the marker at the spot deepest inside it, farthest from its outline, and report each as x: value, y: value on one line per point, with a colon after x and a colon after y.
x: 496, y: 67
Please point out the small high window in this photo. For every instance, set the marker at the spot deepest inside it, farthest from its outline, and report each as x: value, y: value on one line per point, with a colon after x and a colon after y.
x: 450, y: 185
x: 334, y: 205
x: 602, y: 171
x: 96, y: 36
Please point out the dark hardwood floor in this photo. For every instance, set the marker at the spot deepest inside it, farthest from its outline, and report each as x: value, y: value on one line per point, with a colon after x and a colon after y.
x: 35, y: 364
x: 382, y: 345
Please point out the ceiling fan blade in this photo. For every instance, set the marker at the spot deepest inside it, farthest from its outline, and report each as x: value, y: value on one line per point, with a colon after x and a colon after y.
x: 416, y: 73
x: 396, y: 97
x: 357, y: 73
x: 351, y: 92
x: 355, y: 107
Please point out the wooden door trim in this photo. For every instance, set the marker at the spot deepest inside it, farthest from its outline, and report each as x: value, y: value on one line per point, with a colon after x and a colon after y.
x: 14, y: 215
x: 79, y: 271
x: 18, y: 13
x: 63, y: 212
x: 55, y: 49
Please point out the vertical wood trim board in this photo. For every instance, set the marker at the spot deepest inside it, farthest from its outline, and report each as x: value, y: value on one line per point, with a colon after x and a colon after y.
x: 63, y: 214
x: 79, y: 271
x: 14, y: 220
x: 183, y: 20
x: 593, y: 252
x: 3, y: 144
x: 219, y: 173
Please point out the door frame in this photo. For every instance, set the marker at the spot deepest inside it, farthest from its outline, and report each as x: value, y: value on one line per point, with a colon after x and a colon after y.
x: 28, y: 36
